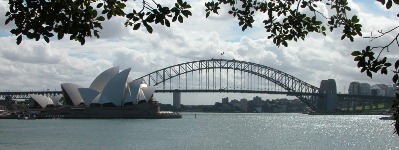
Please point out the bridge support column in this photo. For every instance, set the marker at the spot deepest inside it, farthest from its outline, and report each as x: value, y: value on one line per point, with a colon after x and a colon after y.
x: 329, y: 103
x: 176, y: 99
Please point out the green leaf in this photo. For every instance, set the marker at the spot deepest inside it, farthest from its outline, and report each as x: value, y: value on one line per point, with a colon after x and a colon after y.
x: 46, y: 39
x: 136, y: 26
x: 311, y: 8
x: 94, y: 13
x: 82, y: 41
x: 180, y: 19
x: 121, y: 5
x: 96, y: 34
x: 60, y: 35
x: 382, y: 2
x: 37, y: 37
x: 356, y: 53
x: 284, y: 43
x: 100, y: 18
x: 389, y: 4
x: 19, y: 39
x: 384, y: 70
x: 369, y: 73
x: 186, y: 13
x: 148, y: 27
x: 395, y: 78
x: 355, y: 19
x: 244, y: 27
x: 167, y: 23
x: 150, y: 18
x: 8, y: 20
x: 129, y: 15
x: 72, y: 37
x: 109, y: 15
x: 99, y: 5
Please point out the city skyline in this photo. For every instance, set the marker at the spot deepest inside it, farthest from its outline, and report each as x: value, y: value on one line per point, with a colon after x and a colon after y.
x: 36, y: 65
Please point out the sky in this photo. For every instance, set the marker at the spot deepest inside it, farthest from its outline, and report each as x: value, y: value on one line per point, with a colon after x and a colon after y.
x: 37, y: 65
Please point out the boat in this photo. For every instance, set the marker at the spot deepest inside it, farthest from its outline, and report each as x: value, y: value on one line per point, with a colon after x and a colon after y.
x: 387, y: 118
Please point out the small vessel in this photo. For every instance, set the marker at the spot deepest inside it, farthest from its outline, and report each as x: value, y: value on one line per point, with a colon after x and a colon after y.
x: 387, y: 118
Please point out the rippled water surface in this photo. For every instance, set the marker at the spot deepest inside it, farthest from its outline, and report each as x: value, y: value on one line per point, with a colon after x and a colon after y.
x: 206, y: 131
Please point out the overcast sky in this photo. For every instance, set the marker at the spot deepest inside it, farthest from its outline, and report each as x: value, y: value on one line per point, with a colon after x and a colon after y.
x: 37, y: 65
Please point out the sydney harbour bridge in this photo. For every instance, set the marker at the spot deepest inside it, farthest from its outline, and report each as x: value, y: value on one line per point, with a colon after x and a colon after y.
x: 233, y: 76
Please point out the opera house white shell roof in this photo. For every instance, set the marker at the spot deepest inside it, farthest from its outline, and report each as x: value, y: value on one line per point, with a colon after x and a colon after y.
x: 71, y: 93
x: 110, y: 87
x: 44, y: 101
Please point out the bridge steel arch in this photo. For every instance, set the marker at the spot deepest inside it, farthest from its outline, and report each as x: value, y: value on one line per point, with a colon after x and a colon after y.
x: 307, y: 93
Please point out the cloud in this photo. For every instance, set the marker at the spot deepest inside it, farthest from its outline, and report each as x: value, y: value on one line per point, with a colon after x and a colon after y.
x: 4, y: 29
x: 28, y: 52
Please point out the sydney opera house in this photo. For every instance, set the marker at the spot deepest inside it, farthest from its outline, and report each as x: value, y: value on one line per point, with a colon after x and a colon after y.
x: 110, y: 95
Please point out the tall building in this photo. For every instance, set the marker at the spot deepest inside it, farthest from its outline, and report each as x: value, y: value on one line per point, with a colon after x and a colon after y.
x: 257, y: 101
x: 225, y: 100
x: 391, y: 91
x: 244, y: 104
x: 354, y: 88
x: 364, y: 89
x: 379, y: 90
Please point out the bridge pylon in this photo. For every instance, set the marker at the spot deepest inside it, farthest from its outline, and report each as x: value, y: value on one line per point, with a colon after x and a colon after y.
x: 176, y: 99
x: 329, y: 101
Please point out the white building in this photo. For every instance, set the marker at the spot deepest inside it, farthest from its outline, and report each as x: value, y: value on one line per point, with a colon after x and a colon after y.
x: 110, y: 89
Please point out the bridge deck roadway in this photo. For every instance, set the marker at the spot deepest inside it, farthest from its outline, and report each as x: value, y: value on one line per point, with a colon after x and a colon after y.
x: 235, y: 91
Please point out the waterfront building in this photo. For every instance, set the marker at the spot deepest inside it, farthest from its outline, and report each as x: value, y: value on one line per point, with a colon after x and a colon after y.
x: 111, y: 95
x: 354, y: 88
x: 244, y: 104
x: 235, y: 103
x: 377, y: 91
x: 391, y: 90
x: 225, y: 100
x: 257, y: 101
x: 382, y: 89
x: 364, y: 89
x: 109, y: 89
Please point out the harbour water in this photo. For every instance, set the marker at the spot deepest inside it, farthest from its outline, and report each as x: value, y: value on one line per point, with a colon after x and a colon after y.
x: 203, y: 131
